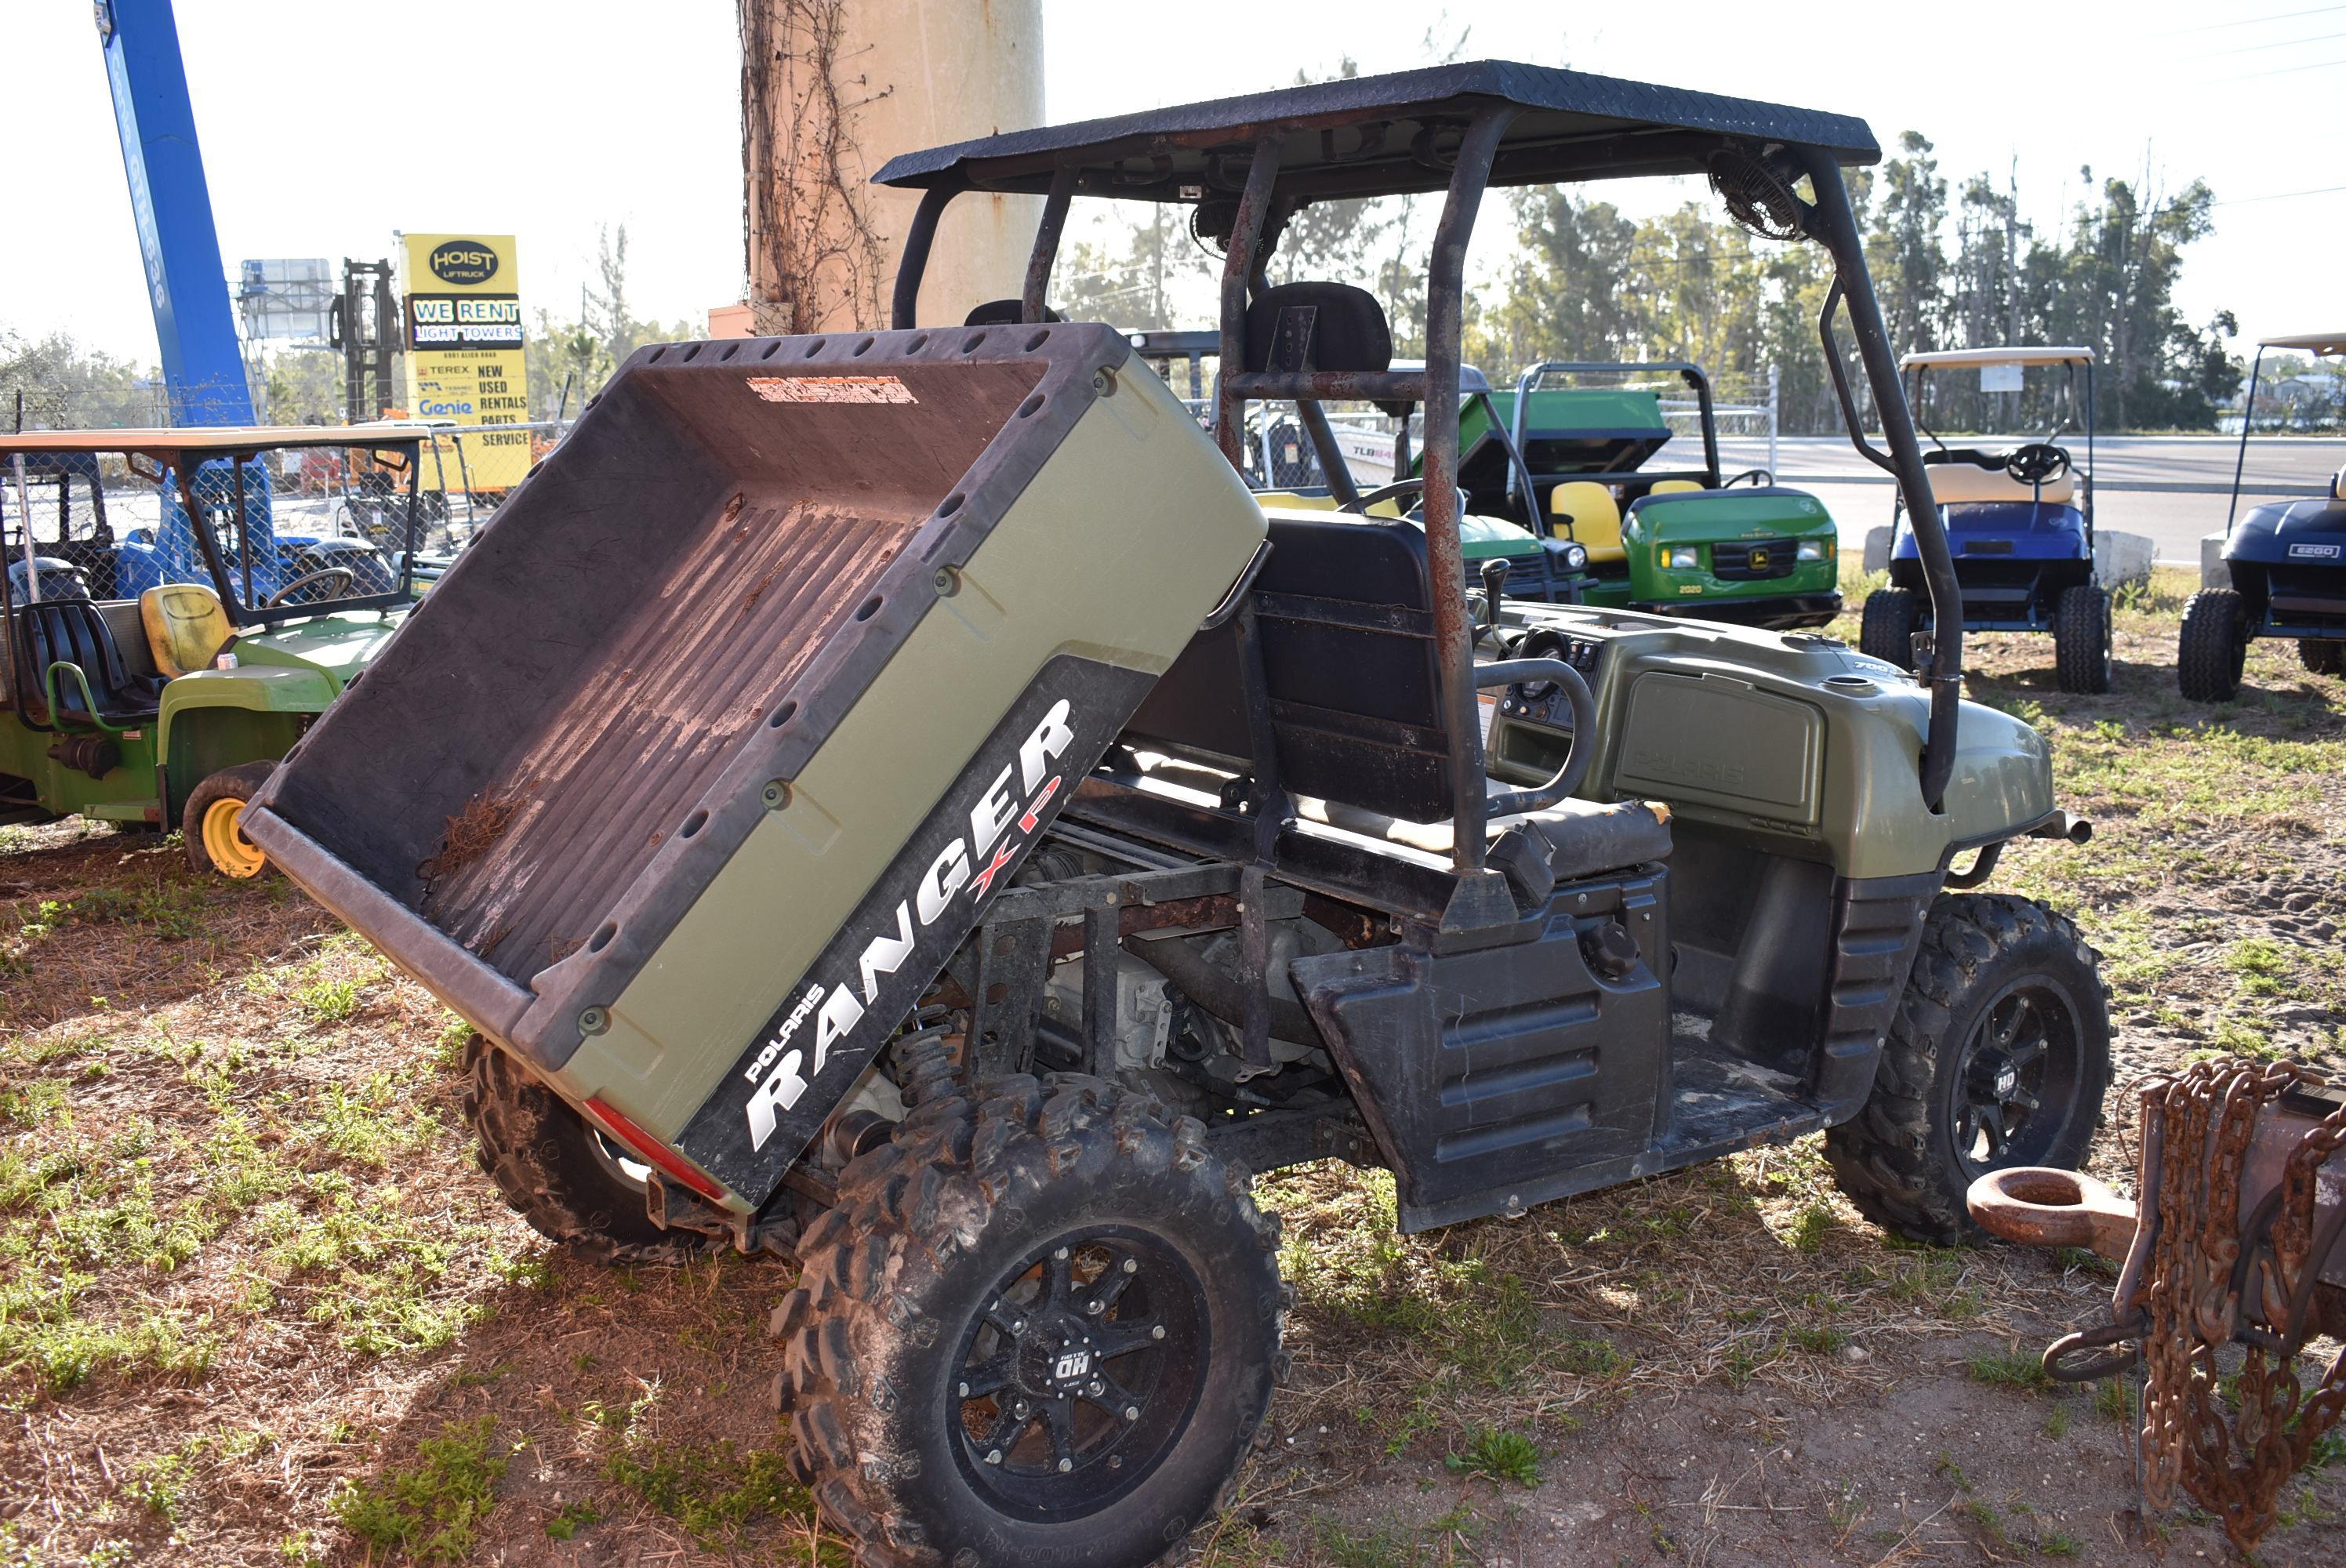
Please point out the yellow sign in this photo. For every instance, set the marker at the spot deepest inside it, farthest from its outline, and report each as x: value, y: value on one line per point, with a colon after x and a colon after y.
x: 464, y: 349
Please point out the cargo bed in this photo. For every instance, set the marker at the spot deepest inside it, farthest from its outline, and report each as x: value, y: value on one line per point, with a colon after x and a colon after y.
x: 745, y: 551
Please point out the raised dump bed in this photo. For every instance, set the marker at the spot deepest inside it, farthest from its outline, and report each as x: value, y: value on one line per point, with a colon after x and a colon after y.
x: 643, y: 753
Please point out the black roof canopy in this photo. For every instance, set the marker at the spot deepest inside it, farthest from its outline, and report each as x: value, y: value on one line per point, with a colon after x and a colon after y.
x: 1388, y: 134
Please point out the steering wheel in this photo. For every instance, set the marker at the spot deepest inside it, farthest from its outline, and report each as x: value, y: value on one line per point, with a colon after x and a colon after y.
x: 1394, y: 491
x: 2036, y: 462
x: 284, y: 596
x: 1756, y: 476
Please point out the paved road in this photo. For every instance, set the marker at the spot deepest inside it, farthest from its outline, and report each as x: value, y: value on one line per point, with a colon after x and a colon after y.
x: 2171, y: 488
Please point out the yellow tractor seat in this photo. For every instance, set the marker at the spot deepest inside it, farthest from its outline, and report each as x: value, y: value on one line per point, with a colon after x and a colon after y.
x: 186, y: 626
x: 1672, y: 486
x: 1586, y: 513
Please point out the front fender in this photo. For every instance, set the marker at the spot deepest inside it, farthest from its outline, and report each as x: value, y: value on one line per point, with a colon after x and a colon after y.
x: 214, y: 718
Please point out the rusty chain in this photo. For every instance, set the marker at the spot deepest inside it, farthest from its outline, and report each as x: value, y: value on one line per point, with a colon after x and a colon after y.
x: 2234, y: 1465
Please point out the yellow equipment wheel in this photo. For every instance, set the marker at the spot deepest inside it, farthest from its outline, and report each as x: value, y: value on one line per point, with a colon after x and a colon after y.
x: 213, y: 822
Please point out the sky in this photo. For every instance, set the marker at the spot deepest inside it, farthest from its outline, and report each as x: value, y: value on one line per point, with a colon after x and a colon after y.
x: 325, y: 128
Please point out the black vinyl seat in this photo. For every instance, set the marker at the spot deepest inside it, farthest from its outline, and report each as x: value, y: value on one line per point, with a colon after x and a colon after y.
x: 1355, y: 682
x: 72, y: 631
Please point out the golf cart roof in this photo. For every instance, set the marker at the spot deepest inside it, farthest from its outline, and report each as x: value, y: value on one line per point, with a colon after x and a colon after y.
x: 2317, y: 342
x: 1375, y: 135
x: 206, y: 441
x: 2016, y: 355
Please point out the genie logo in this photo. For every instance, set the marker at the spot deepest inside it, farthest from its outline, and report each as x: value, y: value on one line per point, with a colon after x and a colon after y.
x: 463, y: 262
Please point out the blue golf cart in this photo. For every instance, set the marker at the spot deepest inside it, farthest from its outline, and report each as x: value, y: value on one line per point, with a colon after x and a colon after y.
x: 2019, y: 518
x: 2283, y: 572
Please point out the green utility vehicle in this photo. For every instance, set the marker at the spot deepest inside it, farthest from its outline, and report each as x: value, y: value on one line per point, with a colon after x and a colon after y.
x: 1579, y: 463
x: 169, y: 703
x: 973, y: 837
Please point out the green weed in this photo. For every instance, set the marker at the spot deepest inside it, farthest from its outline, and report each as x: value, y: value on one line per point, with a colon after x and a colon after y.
x: 1499, y: 1456
x: 430, y: 1510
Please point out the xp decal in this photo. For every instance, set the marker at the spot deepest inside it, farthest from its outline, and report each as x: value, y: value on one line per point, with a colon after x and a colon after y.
x: 845, y: 1007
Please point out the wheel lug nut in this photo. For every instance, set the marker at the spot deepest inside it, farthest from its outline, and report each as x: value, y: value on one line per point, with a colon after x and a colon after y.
x: 1132, y: 1412
x: 993, y: 1456
x: 1066, y: 1465
x: 1132, y: 1266
x: 1095, y: 1389
x: 962, y: 1389
x: 1092, y: 1307
x: 1157, y: 1333
x: 1060, y: 1255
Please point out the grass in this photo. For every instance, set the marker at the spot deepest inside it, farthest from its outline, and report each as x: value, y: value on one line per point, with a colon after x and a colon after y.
x: 713, y: 1491
x: 1499, y: 1456
x: 2013, y: 1368
x: 431, y: 1511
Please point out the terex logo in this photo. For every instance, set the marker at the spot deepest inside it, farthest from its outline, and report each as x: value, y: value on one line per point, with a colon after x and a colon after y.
x: 463, y: 261
x: 971, y: 862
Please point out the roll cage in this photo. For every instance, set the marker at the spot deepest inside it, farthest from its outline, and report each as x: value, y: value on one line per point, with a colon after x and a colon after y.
x: 2320, y: 345
x: 1921, y: 365
x: 1247, y: 164
x: 151, y: 454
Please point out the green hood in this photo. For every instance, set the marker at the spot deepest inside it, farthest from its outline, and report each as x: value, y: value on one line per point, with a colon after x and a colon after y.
x: 339, y: 644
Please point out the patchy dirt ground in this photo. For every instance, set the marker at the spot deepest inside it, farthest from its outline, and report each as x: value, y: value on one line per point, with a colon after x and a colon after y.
x: 258, y: 1306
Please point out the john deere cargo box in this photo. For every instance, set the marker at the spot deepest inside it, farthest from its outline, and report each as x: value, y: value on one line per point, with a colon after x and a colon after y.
x: 707, y: 752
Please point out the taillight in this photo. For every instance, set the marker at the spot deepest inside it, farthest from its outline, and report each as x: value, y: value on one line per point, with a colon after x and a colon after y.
x: 654, y: 1151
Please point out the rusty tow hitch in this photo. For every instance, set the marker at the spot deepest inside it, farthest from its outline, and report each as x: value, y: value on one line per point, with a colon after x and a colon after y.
x: 2239, y: 1239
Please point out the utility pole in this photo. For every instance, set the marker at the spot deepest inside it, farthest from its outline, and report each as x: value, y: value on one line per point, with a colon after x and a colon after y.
x: 831, y: 89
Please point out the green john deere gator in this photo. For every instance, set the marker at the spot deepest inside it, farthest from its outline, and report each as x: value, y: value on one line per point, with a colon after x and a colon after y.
x: 1591, y: 464
x: 933, y: 821
x: 151, y: 674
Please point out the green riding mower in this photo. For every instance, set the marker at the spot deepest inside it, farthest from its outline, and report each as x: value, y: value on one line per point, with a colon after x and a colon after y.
x: 979, y: 838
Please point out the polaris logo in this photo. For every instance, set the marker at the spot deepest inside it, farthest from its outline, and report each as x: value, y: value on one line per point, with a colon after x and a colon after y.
x: 839, y: 1006
x: 2313, y: 552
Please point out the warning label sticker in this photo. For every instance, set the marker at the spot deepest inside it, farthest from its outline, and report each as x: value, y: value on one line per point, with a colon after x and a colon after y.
x: 832, y: 389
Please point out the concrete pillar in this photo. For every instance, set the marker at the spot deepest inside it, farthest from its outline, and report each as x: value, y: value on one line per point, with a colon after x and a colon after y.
x: 822, y: 241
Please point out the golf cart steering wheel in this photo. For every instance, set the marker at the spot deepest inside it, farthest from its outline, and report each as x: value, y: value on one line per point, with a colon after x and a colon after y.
x: 1394, y: 491
x: 284, y: 596
x: 1757, y: 475
x: 2037, y: 463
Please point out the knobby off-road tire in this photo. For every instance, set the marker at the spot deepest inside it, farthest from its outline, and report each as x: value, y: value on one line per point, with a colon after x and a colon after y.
x: 2214, y: 646
x: 1056, y: 1249
x: 2320, y: 655
x: 216, y: 845
x: 556, y: 1169
x: 2081, y: 640
x: 1887, y: 629
x: 2000, y: 983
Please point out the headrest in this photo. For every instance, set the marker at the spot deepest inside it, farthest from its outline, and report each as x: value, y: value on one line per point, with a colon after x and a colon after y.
x: 1672, y: 486
x: 1317, y: 326
x: 1006, y: 313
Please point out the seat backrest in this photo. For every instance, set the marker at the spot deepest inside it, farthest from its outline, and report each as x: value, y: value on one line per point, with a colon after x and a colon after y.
x: 1673, y: 488
x: 1955, y: 483
x: 1349, y: 658
x: 1591, y: 518
x: 71, y: 631
x: 186, y: 625
x: 1317, y: 326
x: 1003, y: 313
